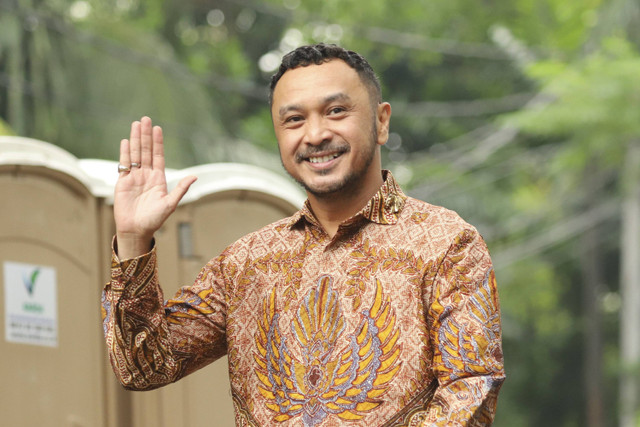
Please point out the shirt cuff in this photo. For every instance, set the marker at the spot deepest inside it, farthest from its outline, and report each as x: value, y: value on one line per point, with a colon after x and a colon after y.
x: 138, y: 269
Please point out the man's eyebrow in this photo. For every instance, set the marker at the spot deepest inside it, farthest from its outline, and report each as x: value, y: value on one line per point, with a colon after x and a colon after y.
x: 286, y: 108
x: 340, y: 96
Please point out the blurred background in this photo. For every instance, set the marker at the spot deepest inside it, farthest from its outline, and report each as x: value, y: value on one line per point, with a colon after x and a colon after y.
x: 522, y: 115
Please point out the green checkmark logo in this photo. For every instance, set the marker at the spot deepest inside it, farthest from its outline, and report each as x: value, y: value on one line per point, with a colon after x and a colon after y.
x: 30, y: 280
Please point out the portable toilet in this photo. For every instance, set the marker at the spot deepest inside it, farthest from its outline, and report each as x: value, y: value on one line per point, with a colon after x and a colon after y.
x: 52, y: 355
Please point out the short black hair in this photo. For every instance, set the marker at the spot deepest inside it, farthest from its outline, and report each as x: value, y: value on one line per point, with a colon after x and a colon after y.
x: 320, y: 53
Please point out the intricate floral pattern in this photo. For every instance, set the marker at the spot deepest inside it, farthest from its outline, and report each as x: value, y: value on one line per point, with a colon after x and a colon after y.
x: 393, y: 322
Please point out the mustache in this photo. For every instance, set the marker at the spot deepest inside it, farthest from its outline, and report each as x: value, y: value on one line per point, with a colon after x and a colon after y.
x: 324, y: 147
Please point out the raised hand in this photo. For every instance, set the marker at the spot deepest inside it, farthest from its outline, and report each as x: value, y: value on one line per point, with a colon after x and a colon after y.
x: 141, y: 200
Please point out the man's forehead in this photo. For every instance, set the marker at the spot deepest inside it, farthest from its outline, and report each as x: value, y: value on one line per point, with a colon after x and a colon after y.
x: 327, y: 79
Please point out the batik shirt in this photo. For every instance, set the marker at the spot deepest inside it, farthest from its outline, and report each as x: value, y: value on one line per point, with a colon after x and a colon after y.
x: 394, y: 321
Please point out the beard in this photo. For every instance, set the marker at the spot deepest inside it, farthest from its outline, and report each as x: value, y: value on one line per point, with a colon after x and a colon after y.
x: 347, y: 185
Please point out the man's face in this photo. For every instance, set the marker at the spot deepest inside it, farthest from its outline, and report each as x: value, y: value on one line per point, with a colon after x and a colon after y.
x: 328, y: 128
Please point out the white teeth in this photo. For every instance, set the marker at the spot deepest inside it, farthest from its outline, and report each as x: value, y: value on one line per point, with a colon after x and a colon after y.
x: 322, y: 159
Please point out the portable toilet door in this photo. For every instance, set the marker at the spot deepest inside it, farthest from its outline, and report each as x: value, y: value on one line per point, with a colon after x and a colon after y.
x: 51, y: 349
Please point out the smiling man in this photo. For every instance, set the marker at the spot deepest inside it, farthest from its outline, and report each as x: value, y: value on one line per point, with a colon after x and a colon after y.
x: 366, y: 307
x: 329, y: 126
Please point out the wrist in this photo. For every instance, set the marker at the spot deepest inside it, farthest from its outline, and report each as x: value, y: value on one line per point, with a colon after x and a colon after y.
x: 129, y: 245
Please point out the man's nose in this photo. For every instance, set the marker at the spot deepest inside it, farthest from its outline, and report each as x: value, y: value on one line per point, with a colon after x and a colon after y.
x: 317, y: 131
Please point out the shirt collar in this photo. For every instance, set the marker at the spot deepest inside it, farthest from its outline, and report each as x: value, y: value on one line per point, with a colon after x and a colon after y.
x: 383, y: 208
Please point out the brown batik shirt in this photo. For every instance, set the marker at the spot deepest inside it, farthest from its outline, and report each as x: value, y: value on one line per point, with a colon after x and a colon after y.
x: 394, y: 321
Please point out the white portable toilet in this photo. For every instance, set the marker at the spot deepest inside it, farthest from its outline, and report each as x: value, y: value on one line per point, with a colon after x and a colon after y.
x: 52, y: 366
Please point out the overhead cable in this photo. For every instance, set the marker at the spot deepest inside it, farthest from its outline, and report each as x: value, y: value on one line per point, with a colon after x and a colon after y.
x: 467, y: 108
x: 395, y: 38
x: 556, y: 234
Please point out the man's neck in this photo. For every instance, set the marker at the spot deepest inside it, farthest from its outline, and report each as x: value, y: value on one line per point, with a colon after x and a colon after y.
x: 332, y: 210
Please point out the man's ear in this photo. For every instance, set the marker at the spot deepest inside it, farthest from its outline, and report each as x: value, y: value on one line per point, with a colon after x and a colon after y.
x: 383, y: 118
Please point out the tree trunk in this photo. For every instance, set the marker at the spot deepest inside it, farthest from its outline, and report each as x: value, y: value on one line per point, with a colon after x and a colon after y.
x: 591, y: 269
x: 592, y: 324
x: 630, y: 290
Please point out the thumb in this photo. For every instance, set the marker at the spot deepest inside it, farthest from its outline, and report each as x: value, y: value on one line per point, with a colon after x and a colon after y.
x: 180, y: 190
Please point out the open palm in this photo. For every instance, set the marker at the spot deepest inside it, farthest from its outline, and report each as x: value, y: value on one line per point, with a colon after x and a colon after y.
x: 141, y: 200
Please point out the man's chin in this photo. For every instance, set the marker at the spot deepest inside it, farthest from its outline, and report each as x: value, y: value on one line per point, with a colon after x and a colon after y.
x: 320, y: 190
x: 329, y: 189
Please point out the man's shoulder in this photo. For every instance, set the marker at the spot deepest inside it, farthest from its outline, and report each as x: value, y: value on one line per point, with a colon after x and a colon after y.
x: 424, y: 214
x: 432, y: 227
x: 269, y: 235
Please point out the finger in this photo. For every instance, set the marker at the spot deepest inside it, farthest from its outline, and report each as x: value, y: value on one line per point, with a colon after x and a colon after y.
x: 146, y: 142
x: 134, y: 143
x: 158, y: 148
x: 125, y: 158
x: 181, y: 189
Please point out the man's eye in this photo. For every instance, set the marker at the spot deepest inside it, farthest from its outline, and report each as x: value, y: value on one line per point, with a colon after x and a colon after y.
x: 336, y: 110
x: 293, y: 119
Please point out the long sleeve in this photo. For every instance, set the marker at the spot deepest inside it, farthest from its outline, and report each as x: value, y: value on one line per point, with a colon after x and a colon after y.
x: 465, y: 333
x: 152, y: 343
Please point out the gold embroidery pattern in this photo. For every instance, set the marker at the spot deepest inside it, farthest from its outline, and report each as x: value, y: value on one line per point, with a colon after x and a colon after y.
x: 371, y: 259
x: 347, y: 385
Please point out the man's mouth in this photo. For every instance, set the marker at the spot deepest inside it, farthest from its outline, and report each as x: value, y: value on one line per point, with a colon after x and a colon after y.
x: 323, y: 159
x: 322, y: 154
